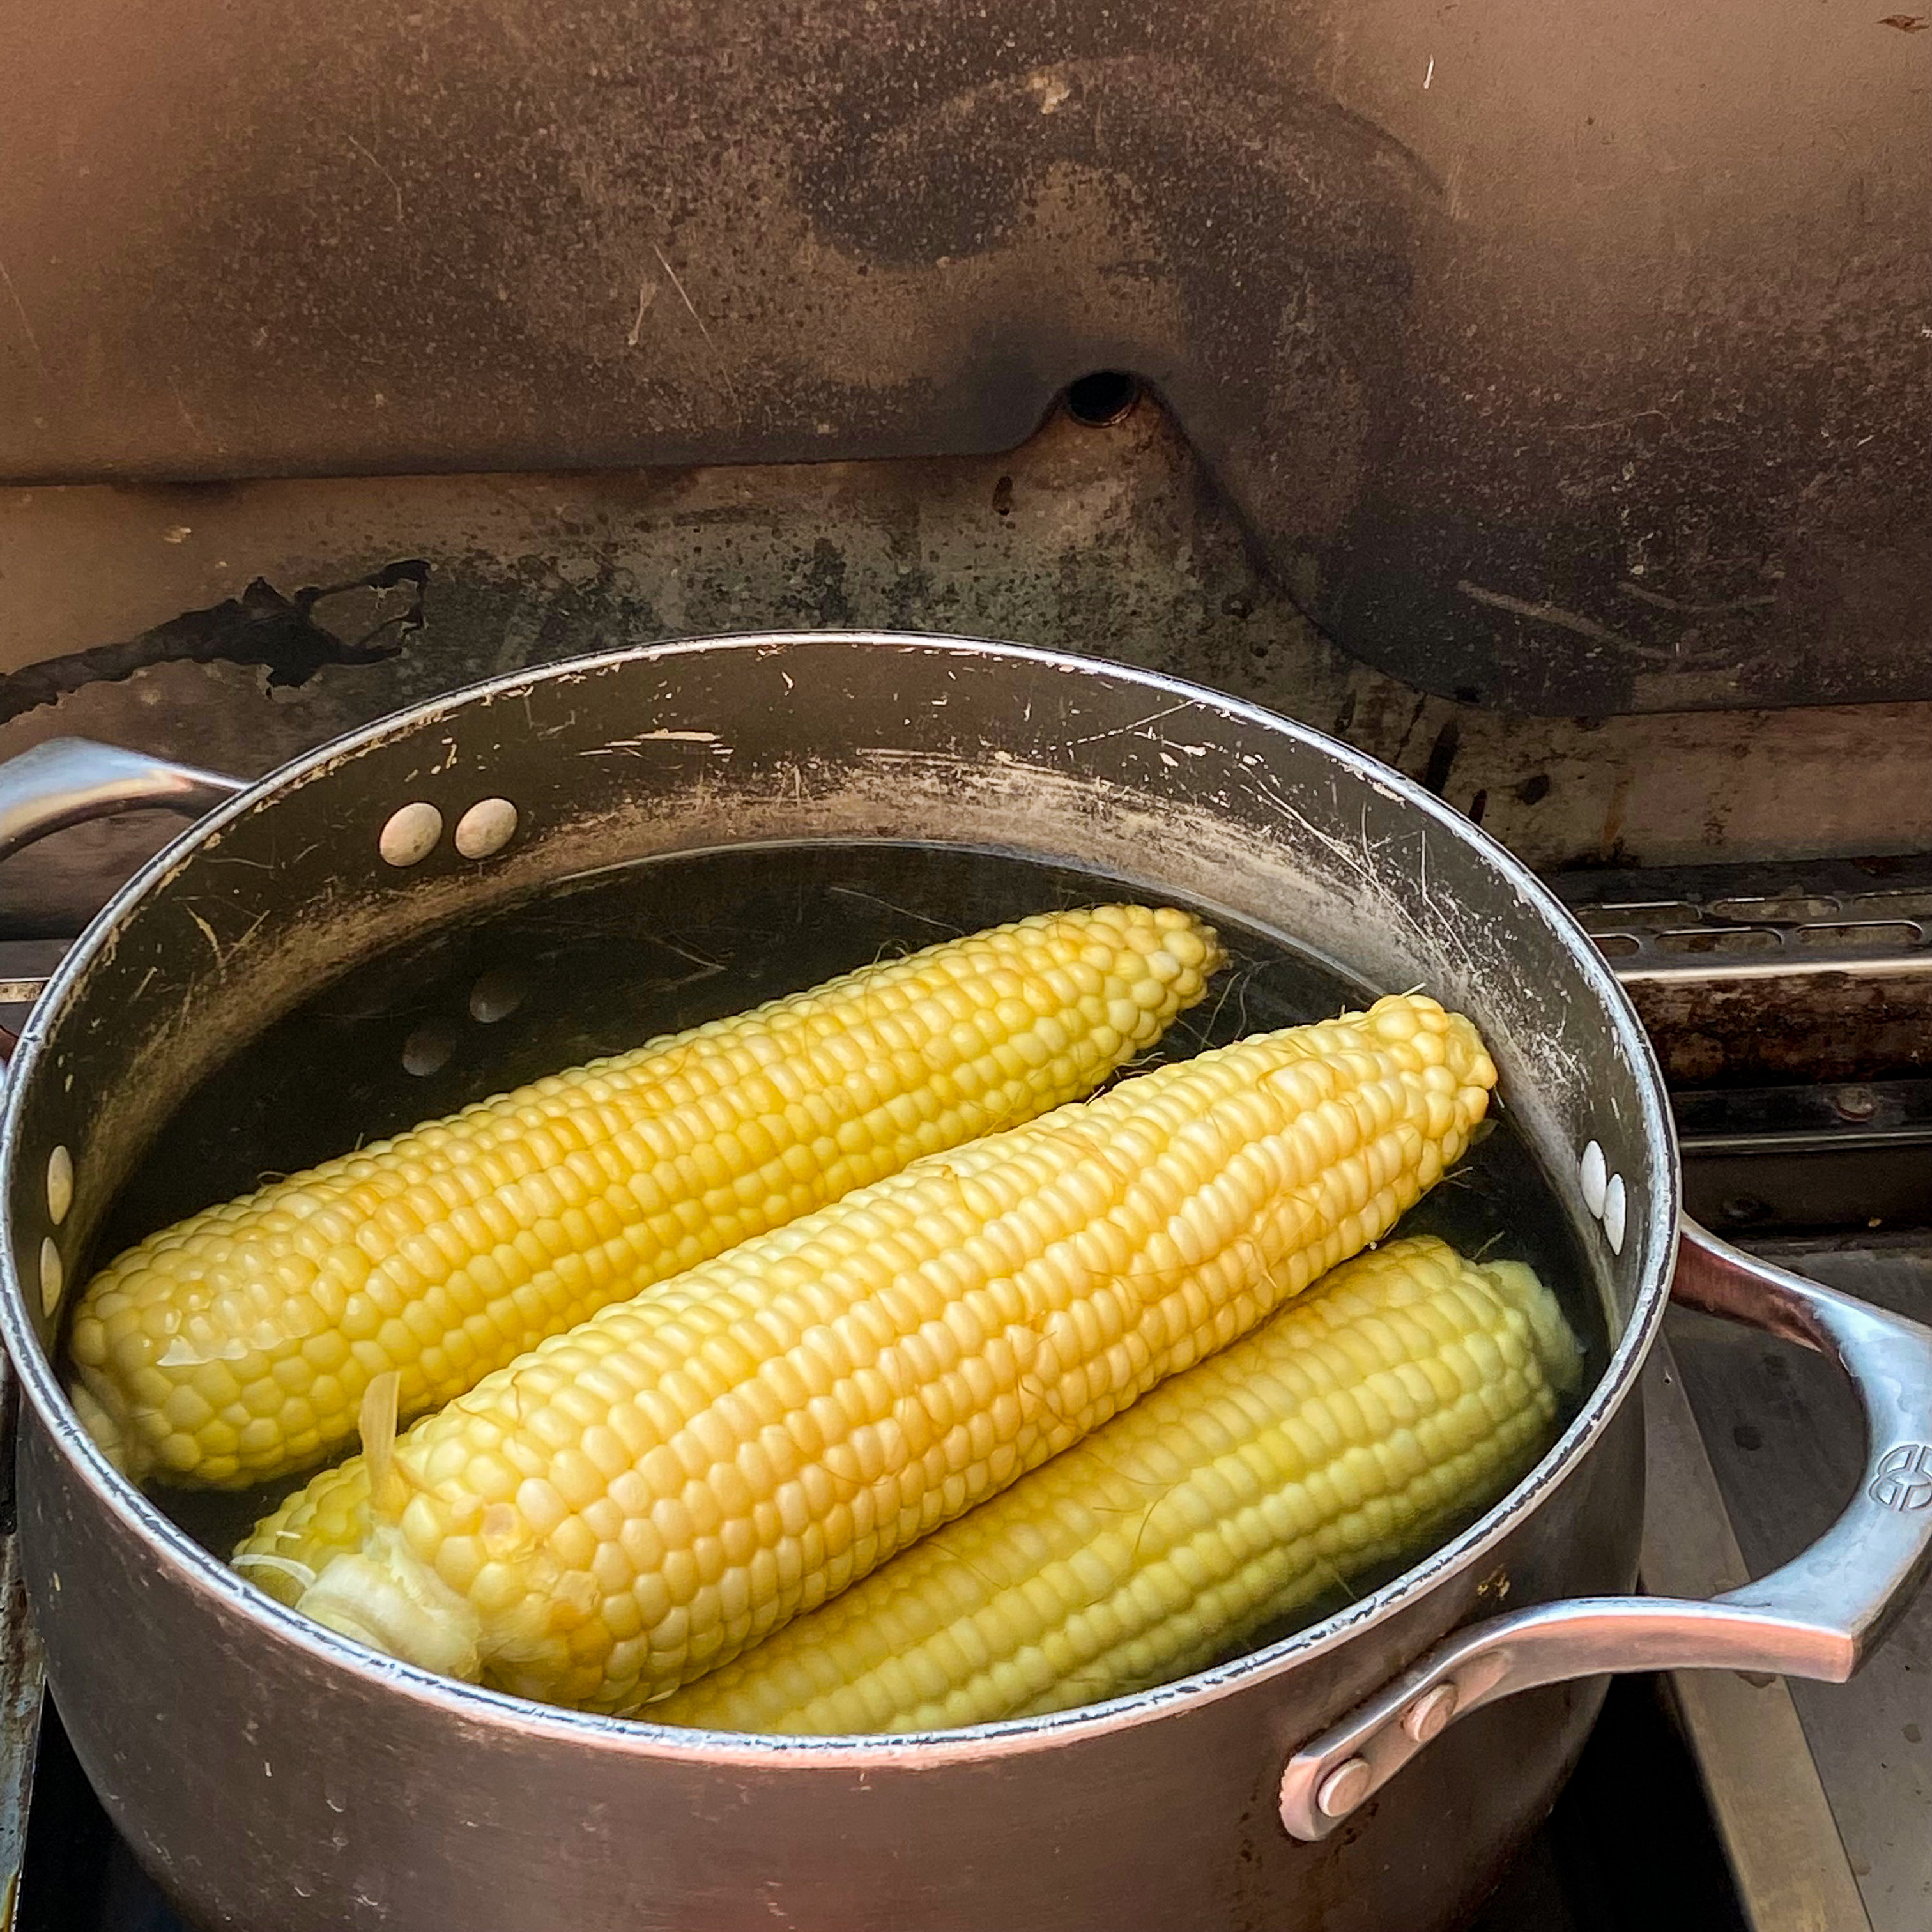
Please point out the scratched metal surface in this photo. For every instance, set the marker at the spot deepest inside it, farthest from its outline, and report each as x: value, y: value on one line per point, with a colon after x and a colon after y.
x: 1569, y: 358
x: 1575, y: 1876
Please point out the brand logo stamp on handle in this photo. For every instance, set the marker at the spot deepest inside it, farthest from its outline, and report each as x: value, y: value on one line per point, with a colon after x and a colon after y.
x: 1903, y: 1478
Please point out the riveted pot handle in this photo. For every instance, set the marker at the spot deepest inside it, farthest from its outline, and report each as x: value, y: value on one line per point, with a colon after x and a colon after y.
x: 65, y: 782
x: 59, y: 782
x: 1818, y: 1616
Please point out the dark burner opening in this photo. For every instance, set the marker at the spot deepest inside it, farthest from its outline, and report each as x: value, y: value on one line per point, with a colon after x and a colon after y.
x: 1103, y: 397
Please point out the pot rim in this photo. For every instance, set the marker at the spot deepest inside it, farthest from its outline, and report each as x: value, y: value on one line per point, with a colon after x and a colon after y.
x: 206, y: 1574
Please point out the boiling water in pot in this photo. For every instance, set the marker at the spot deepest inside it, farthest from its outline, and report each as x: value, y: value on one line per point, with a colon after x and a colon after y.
x: 602, y: 963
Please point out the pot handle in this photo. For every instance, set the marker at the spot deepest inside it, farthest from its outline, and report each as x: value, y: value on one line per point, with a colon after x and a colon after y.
x: 64, y: 782
x: 1817, y: 1616
x: 59, y: 782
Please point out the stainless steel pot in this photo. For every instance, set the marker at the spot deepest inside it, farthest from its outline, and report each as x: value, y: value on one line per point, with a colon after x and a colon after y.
x: 276, y: 1779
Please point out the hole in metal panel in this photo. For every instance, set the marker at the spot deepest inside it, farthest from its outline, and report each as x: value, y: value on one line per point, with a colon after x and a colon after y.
x: 1720, y: 939
x: 1616, y: 945
x: 1861, y: 936
x: 1103, y: 397
x: 1788, y: 909
x: 1650, y: 912
x: 1891, y: 905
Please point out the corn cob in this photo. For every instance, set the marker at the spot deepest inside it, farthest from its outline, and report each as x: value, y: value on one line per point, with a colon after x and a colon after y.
x: 1408, y: 1389
x: 238, y: 1345
x: 639, y: 1500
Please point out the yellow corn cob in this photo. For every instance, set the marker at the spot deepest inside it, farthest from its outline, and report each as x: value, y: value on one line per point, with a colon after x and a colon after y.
x: 238, y: 1345
x: 1408, y: 1389
x: 641, y: 1499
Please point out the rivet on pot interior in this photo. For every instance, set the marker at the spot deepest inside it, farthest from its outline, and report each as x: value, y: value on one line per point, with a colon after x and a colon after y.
x: 1345, y: 1787
x: 1614, y: 1208
x: 410, y: 834
x: 60, y: 1185
x: 51, y: 1277
x: 1593, y: 1171
x: 1429, y: 1716
x: 487, y: 827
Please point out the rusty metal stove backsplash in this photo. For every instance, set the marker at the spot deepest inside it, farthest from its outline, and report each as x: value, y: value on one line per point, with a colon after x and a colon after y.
x: 235, y: 624
x: 1571, y: 357
x: 1532, y: 396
